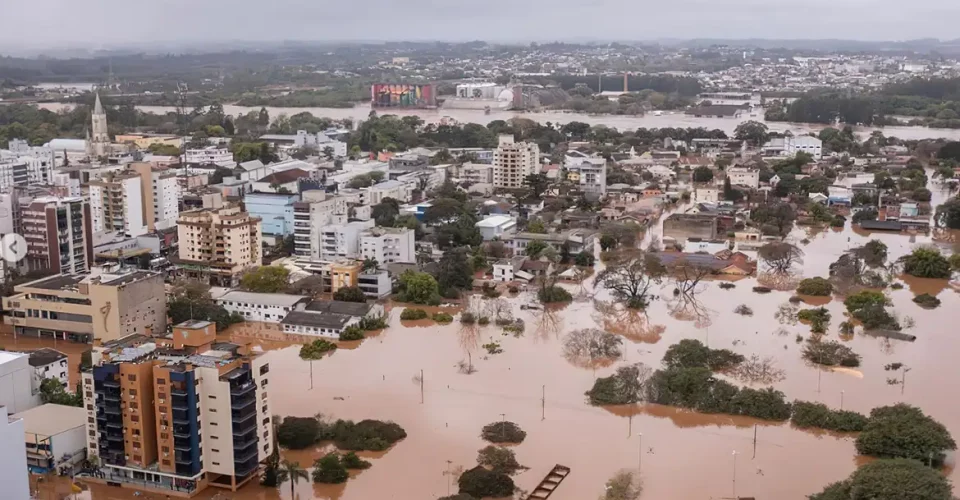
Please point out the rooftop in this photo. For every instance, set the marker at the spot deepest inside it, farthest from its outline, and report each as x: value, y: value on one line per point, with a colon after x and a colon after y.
x: 59, y: 282
x: 340, y: 307
x: 316, y: 319
x: 45, y: 356
x: 51, y: 419
x: 285, y: 176
x: 495, y: 220
x: 267, y: 299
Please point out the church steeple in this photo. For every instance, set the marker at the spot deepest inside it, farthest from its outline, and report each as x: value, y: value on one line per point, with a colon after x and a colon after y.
x: 99, y: 142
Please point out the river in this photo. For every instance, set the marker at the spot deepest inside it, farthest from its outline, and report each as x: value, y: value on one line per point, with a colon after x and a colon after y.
x: 621, y: 122
x: 682, y: 454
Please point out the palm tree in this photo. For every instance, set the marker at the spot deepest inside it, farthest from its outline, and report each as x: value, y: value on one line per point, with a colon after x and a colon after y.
x: 293, y: 472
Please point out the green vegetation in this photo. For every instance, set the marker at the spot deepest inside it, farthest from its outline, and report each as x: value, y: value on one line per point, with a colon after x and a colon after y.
x: 418, y: 288
x: 503, y: 432
x: 948, y: 214
x: 291, y: 471
x: 692, y: 353
x: 869, y: 307
x: 926, y: 300
x: 370, y: 323
x: 480, y: 483
x: 830, y: 353
x: 316, y: 349
x: 818, y: 318
x: 297, y: 433
x: 553, y: 294
x: 468, y: 318
x: 896, y: 479
x: 818, y: 287
x: 926, y: 262
x: 442, y: 317
x: 365, y: 435
x: 697, y: 389
x: 625, y: 386
x: 52, y: 391
x: 350, y: 294
x: 903, y: 431
x: 492, y: 347
x: 413, y: 314
x: 351, y: 333
x: 498, y: 459
x: 352, y: 461
x: 266, y: 279
x: 817, y: 415
x: 191, y: 299
x: 328, y: 469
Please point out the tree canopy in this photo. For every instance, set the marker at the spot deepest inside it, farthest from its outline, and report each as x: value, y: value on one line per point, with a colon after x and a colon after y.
x: 266, y: 279
x: 904, y: 431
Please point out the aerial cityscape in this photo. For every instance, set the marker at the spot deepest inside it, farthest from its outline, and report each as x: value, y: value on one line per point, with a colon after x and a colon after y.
x: 468, y: 270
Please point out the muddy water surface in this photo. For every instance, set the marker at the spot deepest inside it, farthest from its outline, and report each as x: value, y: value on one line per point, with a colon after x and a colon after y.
x: 682, y: 455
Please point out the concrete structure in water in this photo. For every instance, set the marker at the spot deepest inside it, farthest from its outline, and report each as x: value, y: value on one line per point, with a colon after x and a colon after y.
x: 681, y: 227
x: 173, y: 419
x: 105, y: 305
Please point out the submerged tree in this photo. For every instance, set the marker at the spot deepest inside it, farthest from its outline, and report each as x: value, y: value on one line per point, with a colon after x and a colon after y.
x: 904, y: 431
x: 591, y: 345
x: 631, y: 276
x: 781, y: 256
x: 625, y: 485
x: 890, y: 480
x: 626, y: 386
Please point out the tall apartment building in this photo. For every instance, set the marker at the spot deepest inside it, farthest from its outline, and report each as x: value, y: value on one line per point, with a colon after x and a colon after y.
x: 106, y: 305
x: 589, y: 172
x: 139, y: 200
x: 342, y: 241
x: 388, y: 245
x: 512, y: 161
x: 58, y: 234
x: 116, y: 204
x: 311, y: 216
x: 218, y: 244
x: 181, y: 416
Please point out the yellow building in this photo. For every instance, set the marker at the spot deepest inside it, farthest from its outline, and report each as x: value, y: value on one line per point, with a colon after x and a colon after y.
x: 145, y: 141
x: 103, y: 306
x: 219, y: 244
x: 344, y: 274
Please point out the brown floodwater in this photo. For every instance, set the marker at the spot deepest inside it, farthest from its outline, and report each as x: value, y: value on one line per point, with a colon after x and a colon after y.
x: 682, y: 454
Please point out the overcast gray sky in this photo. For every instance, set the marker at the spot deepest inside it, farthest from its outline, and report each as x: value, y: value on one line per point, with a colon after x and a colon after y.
x: 102, y: 23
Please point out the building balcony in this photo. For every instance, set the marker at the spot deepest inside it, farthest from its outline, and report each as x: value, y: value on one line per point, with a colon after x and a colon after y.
x: 242, y: 389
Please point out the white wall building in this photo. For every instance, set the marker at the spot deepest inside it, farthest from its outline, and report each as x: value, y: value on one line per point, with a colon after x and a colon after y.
x: 49, y: 363
x: 13, y: 460
x: 166, y: 195
x: 388, y: 245
x: 588, y: 171
x: 790, y: 146
x: 116, y: 204
x: 211, y: 155
x: 340, y: 241
x: 476, y: 173
x: 706, y: 195
x: 262, y: 307
x: 388, y: 189
x: 313, y: 214
x: 513, y: 161
x: 743, y: 176
x: 497, y: 227
x: 16, y: 383
x: 55, y: 436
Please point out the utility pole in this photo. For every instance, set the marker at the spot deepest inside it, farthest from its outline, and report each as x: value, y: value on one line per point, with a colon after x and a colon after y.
x: 841, y: 400
x: 311, y: 374
x: 754, y: 440
x: 503, y: 427
x: 421, y: 386
x: 640, y: 454
x: 543, y: 402
x: 734, y: 474
x: 903, y: 379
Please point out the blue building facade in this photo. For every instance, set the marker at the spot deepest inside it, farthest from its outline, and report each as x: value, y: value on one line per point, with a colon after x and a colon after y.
x: 275, y: 211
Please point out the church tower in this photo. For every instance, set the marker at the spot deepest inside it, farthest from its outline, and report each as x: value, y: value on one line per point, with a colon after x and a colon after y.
x: 99, y: 142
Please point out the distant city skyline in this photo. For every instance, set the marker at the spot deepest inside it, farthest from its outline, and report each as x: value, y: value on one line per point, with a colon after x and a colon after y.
x: 99, y: 24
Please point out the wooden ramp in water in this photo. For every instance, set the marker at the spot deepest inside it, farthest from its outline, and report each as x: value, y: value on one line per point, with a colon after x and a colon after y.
x: 549, y: 483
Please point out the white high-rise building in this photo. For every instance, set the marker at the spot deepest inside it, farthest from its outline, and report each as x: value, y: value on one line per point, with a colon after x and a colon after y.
x: 513, y: 161
x: 13, y: 460
x: 116, y: 204
x: 388, y: 245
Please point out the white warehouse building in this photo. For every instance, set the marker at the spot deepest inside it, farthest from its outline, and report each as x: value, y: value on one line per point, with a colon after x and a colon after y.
x: 262, y: 307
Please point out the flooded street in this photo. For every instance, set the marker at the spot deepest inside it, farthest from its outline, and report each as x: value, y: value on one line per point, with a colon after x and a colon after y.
x: 622, y: 122
x: 682, y: 455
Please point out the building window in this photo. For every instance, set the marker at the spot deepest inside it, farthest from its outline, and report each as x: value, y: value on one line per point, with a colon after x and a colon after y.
x: 161, y: 381
x: 215, y: 450
x: 132, y: 378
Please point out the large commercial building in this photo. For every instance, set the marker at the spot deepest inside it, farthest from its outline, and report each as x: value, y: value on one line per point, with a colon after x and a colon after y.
x: 275, y: 210
x: 790, y: 146
x: 58, y: 234
x: 106, y: 305
x: 339, y: 241
x: 175, y: 418
x: 513, y: 161
x: 589, y: 172
x: 217, y: 245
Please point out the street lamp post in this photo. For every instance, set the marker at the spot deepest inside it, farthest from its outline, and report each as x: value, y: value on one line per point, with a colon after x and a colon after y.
x: 841, y: 400
x: 734, y: 473
x: 640, y: 454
